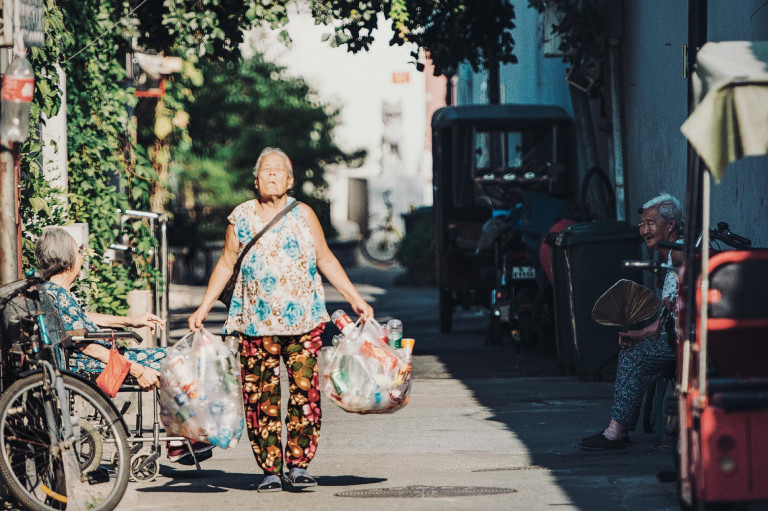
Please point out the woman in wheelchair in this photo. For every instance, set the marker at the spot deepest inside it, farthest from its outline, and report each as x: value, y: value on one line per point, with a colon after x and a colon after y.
x: 60, y: 260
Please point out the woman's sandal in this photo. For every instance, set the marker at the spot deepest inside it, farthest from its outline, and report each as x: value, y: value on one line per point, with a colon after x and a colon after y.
x: 298, y: 478
x: 270, y: 483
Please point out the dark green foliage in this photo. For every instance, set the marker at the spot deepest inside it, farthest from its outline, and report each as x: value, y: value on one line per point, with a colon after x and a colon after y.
x: 582, y: 30
x: 242, y: 107
x: 450, y: 31
x: 248, y: 105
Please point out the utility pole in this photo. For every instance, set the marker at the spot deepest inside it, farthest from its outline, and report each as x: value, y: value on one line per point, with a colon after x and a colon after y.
x: 494, y: 82
x: 10, y: 226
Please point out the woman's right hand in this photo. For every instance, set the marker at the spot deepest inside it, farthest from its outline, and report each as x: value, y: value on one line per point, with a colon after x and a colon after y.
x: 197, y: 319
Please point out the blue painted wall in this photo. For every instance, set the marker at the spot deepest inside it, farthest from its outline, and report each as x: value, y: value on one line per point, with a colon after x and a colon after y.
x: 653, y: 101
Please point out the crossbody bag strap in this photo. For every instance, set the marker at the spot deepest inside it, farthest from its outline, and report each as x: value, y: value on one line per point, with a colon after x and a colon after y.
x: 267, y: 227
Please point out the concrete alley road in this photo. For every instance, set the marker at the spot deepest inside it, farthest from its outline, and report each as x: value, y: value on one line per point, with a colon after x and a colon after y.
x: 486, y: 429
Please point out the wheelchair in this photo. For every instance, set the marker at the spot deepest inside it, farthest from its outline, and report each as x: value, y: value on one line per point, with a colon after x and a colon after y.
x: 144, y: 465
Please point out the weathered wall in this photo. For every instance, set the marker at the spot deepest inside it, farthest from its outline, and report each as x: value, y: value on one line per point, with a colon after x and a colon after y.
x: 655, y: 99
x: 741, y: 199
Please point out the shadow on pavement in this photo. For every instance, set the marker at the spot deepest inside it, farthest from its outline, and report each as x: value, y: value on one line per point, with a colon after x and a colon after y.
x: 525, y: 392
x: 199, y: 481
x: 549, y: 414
x: 348, y: 480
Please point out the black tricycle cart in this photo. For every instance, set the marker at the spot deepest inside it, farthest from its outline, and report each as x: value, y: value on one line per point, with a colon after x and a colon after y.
x: 501, y: 176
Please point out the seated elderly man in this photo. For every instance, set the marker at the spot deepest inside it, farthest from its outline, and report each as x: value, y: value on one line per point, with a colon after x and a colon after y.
x: 644, y: 353
x: 59, y: 260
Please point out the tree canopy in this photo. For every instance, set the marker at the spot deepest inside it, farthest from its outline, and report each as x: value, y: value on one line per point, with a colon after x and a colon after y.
x: 214, y: 113
x: 250, y: 104
x: 449, y: 31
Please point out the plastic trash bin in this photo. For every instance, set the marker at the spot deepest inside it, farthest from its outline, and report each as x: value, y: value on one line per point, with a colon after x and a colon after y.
x: 586, y: 261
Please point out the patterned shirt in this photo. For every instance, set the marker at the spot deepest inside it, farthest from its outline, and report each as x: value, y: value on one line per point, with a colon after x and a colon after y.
x: 279, y: 290
x: 71, y: 313
x: 669, y: 290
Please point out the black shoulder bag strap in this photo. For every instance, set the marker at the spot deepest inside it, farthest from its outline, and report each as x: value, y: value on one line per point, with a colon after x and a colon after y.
x: 225, y: 296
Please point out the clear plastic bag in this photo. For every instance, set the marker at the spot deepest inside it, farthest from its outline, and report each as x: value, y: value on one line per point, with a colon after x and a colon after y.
x: 200, y: 391
x: 362, y: 374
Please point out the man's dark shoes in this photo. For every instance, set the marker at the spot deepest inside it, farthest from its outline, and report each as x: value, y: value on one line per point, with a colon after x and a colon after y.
x: 270, y: 483
x: 598, y: 442
x: 298, y: 478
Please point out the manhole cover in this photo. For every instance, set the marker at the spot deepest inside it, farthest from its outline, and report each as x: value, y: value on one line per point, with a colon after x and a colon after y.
x: 424, y: 492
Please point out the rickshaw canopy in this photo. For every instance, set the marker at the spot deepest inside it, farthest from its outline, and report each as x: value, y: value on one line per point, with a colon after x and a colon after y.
x: 730, y: 120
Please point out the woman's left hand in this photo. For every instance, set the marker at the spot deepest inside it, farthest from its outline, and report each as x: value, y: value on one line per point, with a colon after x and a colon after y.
x: 146, y: 377
x: 147, y: 319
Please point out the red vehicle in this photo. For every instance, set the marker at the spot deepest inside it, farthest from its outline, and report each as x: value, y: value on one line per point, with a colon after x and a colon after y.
x: 722, y: 376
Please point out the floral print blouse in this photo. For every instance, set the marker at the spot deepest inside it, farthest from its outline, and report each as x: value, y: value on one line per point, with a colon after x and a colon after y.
x: 71, y: 313
x: 279, y: 290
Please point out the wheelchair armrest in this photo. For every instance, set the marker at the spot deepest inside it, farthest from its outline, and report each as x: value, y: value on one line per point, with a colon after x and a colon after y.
x: 105, y: 334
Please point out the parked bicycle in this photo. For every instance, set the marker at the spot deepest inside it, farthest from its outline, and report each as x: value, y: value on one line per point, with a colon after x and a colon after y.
x: 62, y: 442
x: 380, y: 244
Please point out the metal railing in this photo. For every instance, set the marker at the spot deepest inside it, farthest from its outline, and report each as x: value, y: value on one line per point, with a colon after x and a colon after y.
x: 158, y: 224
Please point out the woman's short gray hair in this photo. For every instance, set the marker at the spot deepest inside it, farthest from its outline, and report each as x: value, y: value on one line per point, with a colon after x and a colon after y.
x: 55, y: 251
x: 272, y: 150
x: 668, y: 207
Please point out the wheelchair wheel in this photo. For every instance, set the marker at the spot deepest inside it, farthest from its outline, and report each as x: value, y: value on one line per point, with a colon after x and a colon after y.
x: 143, y: 468
x: 31, y: 466
x: 90, y: 446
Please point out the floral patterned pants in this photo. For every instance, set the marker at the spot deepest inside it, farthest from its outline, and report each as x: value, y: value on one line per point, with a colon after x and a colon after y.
x: 638, y: 367
x: 260, y: 359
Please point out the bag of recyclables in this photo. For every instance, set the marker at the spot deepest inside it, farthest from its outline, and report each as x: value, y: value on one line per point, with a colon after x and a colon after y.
x: 200, y: 391
x: 363, y: 374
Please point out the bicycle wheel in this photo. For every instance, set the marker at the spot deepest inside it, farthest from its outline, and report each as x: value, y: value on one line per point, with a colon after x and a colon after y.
x: 597, y: 193
x: 33, y: 470
x: 380, y: 245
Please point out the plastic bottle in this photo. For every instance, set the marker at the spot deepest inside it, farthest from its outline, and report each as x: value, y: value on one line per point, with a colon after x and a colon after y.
x: 373, y: 332
x: 226, y: 375
x: 18, y: 91
x: 343, y: 322
x: 185, y: 376
x: 394, y: 333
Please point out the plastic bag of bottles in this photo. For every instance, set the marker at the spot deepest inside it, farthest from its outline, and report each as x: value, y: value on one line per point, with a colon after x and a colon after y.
x: 363, y: 374
x: 200, y: 391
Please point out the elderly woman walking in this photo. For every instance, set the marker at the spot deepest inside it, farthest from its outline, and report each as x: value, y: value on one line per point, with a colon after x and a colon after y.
x: 278, y: 310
